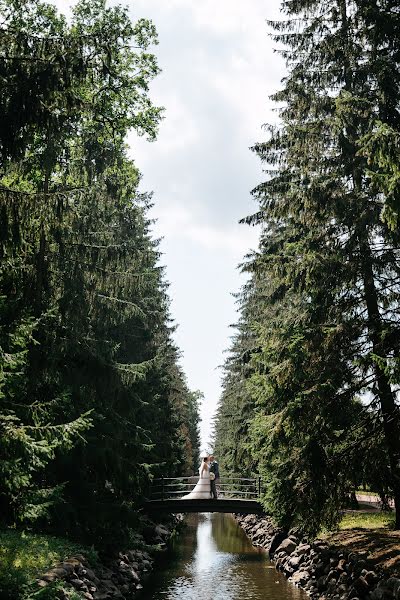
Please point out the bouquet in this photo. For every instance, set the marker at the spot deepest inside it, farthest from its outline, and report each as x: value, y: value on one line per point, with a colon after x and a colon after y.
x: 212, y: 476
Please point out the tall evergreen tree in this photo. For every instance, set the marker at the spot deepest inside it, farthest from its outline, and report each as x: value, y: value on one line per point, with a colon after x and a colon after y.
x: 78, y: 262
x: 327, y: 268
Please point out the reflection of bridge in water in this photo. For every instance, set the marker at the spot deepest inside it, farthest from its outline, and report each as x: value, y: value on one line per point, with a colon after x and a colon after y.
x: 235, y: 495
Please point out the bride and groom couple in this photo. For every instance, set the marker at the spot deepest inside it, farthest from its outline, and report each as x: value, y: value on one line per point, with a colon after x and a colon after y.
x: 206, y: 487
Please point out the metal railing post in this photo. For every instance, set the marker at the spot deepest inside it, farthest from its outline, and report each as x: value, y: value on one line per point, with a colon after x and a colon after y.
x: 162, y: 488
x: 259, y: 487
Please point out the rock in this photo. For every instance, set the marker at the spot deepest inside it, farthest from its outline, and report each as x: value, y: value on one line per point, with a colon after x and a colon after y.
x: 333, y: 562
x: 70, y: 562
x: 89, y: 574
x: 352, y: 558
x: 42, y: 583
x: 341, y: 566
x: 295, y: 562
x: 60, y: 572
x: 49, y: 577
x: 371, y: 577
x: 81, y: 559
x: 319, y: 567
x: 123, y: 557
x: 359, y: 566
x: 145, y: 565
x: 287, y: 546
x: 361, y: 586
x: 78, y: 583
x: 133, y: 576
x: 377, y: 594
x: 393, y: 584
x: 69, y: 566
x: 277, y: 539
x: 332, y: 584
x: 309, y: 585
x: 321, y: 583
x: 300, y: 578
x: 303, y: 549
x: 333, y: 574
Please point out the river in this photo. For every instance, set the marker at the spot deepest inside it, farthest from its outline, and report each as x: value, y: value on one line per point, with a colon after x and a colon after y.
x: 212, y: 559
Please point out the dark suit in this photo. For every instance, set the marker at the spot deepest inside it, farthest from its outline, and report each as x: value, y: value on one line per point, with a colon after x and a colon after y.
x: 213, y: 483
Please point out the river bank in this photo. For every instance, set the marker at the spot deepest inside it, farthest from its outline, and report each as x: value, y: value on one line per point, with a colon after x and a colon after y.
x: 354, y: 564
x: 348, y: 565
x: 40, y: 567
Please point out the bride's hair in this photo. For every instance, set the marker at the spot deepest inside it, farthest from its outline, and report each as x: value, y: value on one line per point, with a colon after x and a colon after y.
x: 205, y: 459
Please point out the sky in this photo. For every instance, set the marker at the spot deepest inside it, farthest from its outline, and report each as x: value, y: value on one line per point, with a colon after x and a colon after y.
x: 218, y: 70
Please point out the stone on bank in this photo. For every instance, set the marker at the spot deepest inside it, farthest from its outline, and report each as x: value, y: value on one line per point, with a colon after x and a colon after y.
x: 323, y: 572
x: 122, y: 577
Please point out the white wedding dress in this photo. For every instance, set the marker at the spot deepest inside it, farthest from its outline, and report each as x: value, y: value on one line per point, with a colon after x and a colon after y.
x: 202, y: 489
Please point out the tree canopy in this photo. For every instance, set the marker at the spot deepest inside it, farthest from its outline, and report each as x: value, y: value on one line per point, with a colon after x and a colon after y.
x: 314, y: 366
x: 93, y: 402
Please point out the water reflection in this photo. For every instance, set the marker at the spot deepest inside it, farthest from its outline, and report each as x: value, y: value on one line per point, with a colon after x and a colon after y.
x: 214, y: 560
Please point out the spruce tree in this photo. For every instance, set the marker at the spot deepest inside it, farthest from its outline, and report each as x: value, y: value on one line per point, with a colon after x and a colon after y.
x: 327, y: 269
x: 79, y: 262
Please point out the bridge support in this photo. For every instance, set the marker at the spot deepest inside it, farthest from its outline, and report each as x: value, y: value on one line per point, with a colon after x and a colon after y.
x: 231, y: 505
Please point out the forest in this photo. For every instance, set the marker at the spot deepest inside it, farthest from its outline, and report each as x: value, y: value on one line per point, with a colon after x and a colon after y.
x: 93, y: 401
x: 310, y: 386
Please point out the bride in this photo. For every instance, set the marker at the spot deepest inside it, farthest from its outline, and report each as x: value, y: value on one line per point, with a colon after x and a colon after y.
x: 202, y: 489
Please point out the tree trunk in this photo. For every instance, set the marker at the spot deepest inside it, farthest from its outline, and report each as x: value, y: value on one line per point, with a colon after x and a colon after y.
x: 388, y: 407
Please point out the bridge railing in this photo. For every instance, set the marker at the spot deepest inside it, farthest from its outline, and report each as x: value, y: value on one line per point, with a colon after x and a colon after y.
x: 167, y: 488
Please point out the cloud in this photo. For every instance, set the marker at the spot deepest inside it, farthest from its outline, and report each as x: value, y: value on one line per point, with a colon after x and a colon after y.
x: 179, y: 129
x: 218, y: 70
x: 224, y: 17
x: 177, y: 222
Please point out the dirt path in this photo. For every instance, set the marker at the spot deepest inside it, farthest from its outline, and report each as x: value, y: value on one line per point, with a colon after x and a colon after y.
x: 371, y: 500
x: 382, y: 545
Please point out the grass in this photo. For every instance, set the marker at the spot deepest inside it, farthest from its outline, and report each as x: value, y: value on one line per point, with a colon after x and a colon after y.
x: 367, y: 520
x: 367, y: 493
x: 370, y: 532
x: 24, y: 556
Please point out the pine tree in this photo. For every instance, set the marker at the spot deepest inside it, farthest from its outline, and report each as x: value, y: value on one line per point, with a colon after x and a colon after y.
x: 79, y: 262
x: 327, y: 268
x: 236, y: 406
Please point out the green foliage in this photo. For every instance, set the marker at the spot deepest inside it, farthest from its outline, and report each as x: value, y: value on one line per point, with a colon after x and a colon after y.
x: 367, y: 520
x: 93, y: 401
x: 27, y: 443
x: 54, y: 591
x: 381, y: 147
x: 24, y: 556
x: 320, y: 411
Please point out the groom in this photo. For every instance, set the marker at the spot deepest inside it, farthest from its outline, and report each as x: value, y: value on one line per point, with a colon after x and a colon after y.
x: 213, y: 482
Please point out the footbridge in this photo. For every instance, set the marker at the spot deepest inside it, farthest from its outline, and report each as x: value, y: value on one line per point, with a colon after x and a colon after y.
x: 235, y: 495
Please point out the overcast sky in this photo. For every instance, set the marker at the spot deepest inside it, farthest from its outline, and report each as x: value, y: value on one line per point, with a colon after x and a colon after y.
x: 218, y: 69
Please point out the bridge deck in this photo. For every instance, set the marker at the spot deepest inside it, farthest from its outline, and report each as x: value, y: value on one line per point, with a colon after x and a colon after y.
x: 221, y: 505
